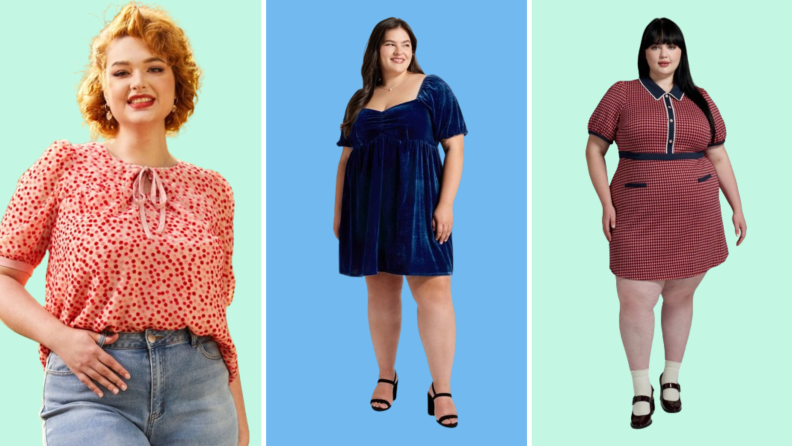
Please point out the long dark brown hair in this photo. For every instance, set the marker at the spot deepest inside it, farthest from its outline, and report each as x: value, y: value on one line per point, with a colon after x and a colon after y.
x: 370, y: 71
x: 665, y: 31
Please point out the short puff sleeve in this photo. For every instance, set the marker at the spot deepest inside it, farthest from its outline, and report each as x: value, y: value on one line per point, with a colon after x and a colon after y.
x: 720, y: 126
x: 225, y: 231
x: 446, y: 115
x: 604, y: 122
x: 31, y: 214
x: 343, y: 141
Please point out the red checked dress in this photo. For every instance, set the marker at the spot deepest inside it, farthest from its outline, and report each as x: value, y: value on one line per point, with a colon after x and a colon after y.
x: 665, y: 191
x: 121, y: 260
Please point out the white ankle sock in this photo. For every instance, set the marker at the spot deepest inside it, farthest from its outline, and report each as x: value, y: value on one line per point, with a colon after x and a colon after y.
x: 671, y: 375
x: 641, y: 386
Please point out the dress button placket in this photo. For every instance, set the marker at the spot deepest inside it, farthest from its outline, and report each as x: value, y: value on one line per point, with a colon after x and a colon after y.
x: 670, y: 140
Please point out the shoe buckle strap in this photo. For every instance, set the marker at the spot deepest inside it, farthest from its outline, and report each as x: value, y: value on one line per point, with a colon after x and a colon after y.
x: 386, y: 381
x: 638, y: 398
x: 671, y: 386
x: 437, y: 395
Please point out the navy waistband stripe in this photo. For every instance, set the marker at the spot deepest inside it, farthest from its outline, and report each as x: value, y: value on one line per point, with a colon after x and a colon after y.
x: 660, y: 156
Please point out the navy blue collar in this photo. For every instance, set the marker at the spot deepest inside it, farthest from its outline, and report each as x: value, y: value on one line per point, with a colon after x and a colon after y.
x: 658, y: 92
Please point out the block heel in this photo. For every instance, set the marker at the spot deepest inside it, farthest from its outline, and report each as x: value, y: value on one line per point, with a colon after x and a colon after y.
x: 395, y: 384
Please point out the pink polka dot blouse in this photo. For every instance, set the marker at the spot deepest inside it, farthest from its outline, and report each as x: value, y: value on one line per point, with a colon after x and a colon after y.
x: 123, y: 258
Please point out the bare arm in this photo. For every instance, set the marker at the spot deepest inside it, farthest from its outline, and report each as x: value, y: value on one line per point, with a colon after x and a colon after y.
x: 596, y: 148
x: 443, y: 217
x: 728, y: 183
x: 239, y: 402
x: 22, y: 313
x: 340, y: 188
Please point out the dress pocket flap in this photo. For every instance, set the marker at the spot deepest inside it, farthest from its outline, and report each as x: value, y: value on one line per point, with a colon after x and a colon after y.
x: 635, y: 185
x: 705, y: 177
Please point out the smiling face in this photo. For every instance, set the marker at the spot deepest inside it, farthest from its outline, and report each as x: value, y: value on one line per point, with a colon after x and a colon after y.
x: 140, y: 87
x: 396, y: 51
x: 663, y: 59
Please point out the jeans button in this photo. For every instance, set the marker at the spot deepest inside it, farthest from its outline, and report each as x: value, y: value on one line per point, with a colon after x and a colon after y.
x: 151, y: 338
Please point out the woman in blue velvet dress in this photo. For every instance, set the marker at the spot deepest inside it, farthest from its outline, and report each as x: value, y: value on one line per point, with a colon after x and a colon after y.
x: 394, y: 199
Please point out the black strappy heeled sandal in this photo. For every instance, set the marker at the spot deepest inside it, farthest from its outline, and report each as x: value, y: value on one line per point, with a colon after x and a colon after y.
x: 670, y: 406
x: 395, y: 384
x: 431, y: 399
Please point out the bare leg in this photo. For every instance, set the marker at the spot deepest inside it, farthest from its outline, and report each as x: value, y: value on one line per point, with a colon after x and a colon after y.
x: 637, y: 299
x: 677, y: 315
x: 384, y: 313
x: 437, y: 326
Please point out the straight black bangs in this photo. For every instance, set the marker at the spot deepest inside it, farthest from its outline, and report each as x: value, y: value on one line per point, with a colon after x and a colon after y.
x: 662, y: 31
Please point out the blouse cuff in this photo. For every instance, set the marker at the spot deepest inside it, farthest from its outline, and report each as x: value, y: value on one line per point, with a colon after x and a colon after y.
x: 17, y: 265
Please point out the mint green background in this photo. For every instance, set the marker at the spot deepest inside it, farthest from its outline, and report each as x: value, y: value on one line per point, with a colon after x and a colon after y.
x: 740, y: 336
x: 45, y: 45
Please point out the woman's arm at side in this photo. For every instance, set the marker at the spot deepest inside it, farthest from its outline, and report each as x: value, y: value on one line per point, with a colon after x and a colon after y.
x: 596, y: 148
x: 728, y: 183
x: 340, y: 188
x: 22, y: 313
x: 239, y: 402
x: 443, y: 218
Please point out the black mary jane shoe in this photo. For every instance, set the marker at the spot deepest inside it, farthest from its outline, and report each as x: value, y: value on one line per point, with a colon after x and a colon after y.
x: 670, y: 406
x: 395, y: 383
x: 641, y: 421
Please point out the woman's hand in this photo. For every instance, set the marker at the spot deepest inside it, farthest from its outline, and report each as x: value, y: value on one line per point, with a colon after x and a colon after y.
x: 608, y: 220
x: 336, y: 223
x: 739, y: 226
x: 80, y: 351
x: 442, y: 220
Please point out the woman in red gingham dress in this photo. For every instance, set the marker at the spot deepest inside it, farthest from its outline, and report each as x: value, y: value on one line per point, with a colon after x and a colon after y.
x: 661, y: 211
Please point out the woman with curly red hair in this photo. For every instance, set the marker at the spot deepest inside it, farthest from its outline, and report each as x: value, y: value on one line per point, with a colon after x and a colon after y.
x: 140, y: 243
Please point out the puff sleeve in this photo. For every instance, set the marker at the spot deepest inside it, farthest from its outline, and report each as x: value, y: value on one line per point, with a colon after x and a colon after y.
x: 604, y: 122
x: 446, y: 115
x: 31, y: 214
x: 720, y: 126
x: 343, y: 141
x: 225, y: 231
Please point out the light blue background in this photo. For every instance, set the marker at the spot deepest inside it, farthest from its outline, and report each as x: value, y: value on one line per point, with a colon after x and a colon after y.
x: 321, y: 368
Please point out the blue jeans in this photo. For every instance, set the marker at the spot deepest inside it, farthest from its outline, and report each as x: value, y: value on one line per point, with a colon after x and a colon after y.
x: 178, y: 395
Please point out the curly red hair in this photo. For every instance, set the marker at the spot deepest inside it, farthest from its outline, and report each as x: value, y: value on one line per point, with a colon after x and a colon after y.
x: 164, y: 38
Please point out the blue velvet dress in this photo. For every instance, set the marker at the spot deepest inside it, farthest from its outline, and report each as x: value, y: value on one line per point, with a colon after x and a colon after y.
x: 392, y: 186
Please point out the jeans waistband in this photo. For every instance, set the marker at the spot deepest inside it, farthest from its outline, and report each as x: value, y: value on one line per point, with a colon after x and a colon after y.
x: 660, y: 156
x: 152, y: 338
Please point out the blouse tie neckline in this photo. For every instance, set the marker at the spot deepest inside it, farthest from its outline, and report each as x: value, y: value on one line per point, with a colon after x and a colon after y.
x: 157, y: 197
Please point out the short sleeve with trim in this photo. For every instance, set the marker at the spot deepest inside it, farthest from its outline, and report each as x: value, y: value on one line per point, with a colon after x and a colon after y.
x: 720, y: 126
x: 30, y: 216
x: 604, y: 122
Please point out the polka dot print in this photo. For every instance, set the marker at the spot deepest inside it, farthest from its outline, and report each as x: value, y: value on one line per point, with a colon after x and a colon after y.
x: 105, y: 270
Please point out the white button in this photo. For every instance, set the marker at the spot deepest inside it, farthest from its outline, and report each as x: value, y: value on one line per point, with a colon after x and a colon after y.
x: 669, y: 106
x: 666, y: 95
x: 151, y: 338
x: 671, y: 120
x: 670, y: 140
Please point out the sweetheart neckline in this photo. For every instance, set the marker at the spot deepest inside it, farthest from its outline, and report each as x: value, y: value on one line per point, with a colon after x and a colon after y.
x: 423, y: 81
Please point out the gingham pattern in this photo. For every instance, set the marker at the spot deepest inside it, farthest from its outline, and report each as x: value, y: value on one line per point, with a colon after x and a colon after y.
x: 671, y: 228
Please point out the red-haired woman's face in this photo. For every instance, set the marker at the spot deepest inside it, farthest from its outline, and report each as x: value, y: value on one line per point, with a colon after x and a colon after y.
x: 140, y: 86
x: 396, y: 51
x: 663, y: 59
